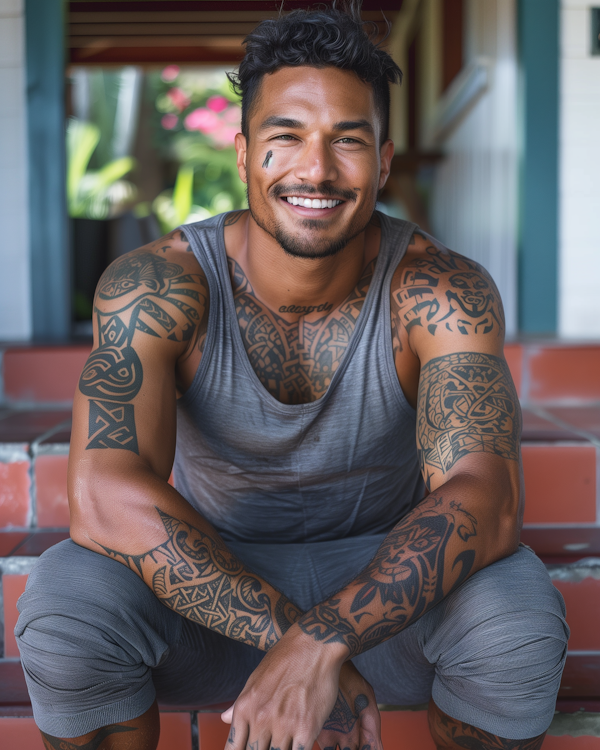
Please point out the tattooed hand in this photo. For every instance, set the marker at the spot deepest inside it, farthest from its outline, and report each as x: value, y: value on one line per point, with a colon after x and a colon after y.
x: 298, y: 690
x: 354, y: 721
x: 353, y: 724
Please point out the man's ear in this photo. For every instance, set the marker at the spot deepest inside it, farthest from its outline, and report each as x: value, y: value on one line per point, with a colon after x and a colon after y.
x: 386, y: 153
x: 240, y: 147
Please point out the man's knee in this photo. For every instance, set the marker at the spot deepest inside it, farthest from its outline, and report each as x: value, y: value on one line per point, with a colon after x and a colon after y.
x: 81, y: 607
x: 499, y: 649
x: 89, y: 633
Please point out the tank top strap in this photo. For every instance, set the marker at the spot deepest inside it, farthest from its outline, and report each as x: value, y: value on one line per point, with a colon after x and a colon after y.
x: 206, y: 241
x: 395, y: 239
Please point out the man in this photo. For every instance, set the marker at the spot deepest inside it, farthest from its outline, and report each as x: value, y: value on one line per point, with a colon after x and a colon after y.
x: 310, y: 338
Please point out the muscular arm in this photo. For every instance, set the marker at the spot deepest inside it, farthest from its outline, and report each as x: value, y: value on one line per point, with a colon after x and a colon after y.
x: 149, y: 318
x: 448, y: 316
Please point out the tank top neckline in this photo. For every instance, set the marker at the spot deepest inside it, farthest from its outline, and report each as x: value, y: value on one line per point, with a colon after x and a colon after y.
x: 355, y: 336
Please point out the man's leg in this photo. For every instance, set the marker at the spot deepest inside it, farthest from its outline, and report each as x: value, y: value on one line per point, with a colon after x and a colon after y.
x: 493, y: 652
x: 137, y: 734
x: 450, y: 734
x: 98, y: 649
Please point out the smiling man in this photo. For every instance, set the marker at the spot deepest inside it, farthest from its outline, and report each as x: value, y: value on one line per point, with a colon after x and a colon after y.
x: 345, y: 448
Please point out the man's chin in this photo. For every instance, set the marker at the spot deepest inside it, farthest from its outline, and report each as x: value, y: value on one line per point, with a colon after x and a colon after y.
x: 310, y: 247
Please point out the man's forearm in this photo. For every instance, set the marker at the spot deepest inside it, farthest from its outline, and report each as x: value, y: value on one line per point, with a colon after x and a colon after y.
x: 425, y: 556
x: 194, y: 574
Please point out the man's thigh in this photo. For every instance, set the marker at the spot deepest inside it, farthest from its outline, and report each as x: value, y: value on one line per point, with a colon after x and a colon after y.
x: 98, y: 647
x: 491, y: 653
x: 204, y: 668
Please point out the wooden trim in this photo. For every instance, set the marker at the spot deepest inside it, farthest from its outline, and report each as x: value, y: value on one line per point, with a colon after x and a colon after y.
x: 156, y: 55
x: 539, y: 53
x: 159, y: 29
x: 48, y: 227
x: 104, y: 42
x: 190, y: 16
x: 221, y: 6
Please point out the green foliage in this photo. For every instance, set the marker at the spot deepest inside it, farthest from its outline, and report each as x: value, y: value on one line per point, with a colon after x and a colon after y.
x: 196, y: 118
x: 175, y: 207
x: 94, y: 194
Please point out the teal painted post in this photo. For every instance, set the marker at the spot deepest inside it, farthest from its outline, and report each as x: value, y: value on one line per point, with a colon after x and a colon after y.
x: 538, y: 251
x: 48, y: 224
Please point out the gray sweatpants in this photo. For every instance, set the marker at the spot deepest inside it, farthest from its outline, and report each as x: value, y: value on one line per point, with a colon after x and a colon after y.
x: 98, y: 647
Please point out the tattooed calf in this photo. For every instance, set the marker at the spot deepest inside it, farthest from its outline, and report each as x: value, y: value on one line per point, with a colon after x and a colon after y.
x: 54, y: 743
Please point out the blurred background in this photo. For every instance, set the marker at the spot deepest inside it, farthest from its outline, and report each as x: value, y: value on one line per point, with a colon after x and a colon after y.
x: 117, y: 124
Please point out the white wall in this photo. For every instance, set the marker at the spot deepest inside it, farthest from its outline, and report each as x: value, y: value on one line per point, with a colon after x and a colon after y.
x: 475, y: 192
x: 579, y: 181
x: 15, y: 318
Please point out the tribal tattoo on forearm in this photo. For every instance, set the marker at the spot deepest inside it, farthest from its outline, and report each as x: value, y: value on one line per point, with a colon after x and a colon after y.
x: 409, y: 575
x: 195, y: 575
x: 139, y: 293
x: 467, y: 403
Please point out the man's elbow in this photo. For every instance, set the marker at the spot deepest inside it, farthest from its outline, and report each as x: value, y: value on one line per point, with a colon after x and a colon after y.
x: 509, y: 517
x: 97, y: 495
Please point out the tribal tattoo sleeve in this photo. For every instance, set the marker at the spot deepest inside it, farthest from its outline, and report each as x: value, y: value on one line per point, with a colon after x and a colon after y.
x: 467, y: 403
x: 194, y: 574
x: 409, y: 575
x: 141, y: 294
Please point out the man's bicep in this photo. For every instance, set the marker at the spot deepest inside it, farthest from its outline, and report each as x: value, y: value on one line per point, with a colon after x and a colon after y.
x: 467, y: 404
x: 146, y: 313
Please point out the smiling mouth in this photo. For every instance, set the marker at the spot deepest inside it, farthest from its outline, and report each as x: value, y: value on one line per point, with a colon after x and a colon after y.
x: 298, y: 200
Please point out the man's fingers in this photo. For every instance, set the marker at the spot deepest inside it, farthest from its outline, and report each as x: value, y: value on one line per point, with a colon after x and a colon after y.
x: 238, y: 733
x: 303, y: 744
x: 284, y: 743
x: 369, y: 740
x: 331, y: 741
x: 227, y: 716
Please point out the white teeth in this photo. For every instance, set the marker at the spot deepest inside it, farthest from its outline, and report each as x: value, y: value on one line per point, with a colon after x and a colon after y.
x: 311, y: 203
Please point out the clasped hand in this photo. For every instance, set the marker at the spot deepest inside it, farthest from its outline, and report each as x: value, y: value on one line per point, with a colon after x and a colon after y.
x: 304, y: 691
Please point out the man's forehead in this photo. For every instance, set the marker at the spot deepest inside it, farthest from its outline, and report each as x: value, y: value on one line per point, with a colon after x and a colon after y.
x: 298, y: 94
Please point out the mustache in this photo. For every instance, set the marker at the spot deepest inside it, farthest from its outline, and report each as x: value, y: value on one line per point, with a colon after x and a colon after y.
x: 327, y: 190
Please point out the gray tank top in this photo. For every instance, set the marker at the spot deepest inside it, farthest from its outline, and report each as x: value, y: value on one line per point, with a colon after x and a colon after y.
x: 268, y: 473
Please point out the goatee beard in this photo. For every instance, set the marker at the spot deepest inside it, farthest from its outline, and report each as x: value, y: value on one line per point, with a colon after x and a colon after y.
x: 297, y: 247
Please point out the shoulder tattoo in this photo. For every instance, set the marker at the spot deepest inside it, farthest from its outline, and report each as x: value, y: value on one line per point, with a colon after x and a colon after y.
x: 145, y: 293
x: 444, y: 289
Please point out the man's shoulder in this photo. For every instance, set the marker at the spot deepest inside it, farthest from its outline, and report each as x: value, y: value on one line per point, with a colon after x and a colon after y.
x: 437, y: 289
x: 159, y: 289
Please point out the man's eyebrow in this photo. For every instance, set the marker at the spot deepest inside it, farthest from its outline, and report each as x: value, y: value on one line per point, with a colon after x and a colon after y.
x: 281, y: 122
x: 354, y: 125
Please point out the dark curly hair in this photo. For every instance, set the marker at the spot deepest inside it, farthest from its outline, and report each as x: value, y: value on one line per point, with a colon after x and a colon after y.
x: 326, y: 36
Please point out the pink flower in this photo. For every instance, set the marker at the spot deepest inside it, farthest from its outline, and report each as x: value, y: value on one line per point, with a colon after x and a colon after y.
x: 233, y: 115
x: 170, y: 73
x: 179, y: 99
x: 203, y: 120
x: 217, y: 103
x: 169, y: 121
x: 225, y: 135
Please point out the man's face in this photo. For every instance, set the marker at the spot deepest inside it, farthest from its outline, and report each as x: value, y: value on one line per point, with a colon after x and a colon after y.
x: 313, y: 136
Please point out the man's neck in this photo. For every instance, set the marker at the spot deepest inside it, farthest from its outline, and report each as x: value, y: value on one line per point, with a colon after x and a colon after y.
x: 293, y: 285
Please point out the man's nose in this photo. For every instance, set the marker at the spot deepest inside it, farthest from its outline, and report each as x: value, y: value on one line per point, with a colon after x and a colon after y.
x: 316, y: 163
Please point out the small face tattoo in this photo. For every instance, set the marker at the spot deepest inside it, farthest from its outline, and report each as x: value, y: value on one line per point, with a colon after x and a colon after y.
x: 268, y: 160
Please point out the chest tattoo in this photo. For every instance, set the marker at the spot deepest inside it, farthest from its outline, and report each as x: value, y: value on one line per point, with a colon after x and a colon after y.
x: 295, y: 361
